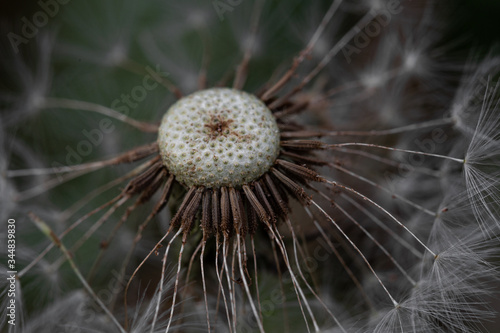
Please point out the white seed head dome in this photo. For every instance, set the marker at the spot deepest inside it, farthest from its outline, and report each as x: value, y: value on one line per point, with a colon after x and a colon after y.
x: 218, y: 137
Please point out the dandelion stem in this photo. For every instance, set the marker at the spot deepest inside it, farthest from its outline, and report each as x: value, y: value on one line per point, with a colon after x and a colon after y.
x: 242, y: 70
x: 48, y: 185
x: 395, y: 195
x: 130, y: 156
x: 64, y: 103
x: 232, y: 301
x: 326, y: 59
x: 245, y: 284
x: 324, y: 22
x: 336, y: 145
x: 357, y: 249
x: 221, y: 285
x: 339, y: 45
x: 384, y: 77
x: 342, y: 261
x: 405, y: 167
x: 302, y: 55
x: 75, y: 207
x: 94, y: 228
x: 276, y: 236
x: 205, y: 296
x: 134, y: 67
x: 380, y: 246
x: 52, y: 236
x: 139, y: 267
x: 83, y: 218
x: 297, y: 263
x: 256, y: 277
x: 384, y: 227
x: 176, y: 285
x: 282, y: 289
x: 334, y: 183
x: 396, y: 130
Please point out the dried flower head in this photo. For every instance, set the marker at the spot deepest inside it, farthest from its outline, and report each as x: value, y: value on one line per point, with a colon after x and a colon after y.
x: 218, y: 137
x: 352, y: 186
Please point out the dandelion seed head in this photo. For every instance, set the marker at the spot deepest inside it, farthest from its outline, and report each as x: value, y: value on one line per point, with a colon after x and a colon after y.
x: 218, y: 137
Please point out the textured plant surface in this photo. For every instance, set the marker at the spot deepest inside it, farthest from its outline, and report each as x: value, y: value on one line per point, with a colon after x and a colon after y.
x: 349, y: 181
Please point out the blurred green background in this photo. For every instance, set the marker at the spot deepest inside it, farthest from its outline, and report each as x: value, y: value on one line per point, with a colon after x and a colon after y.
x: 478, y: 20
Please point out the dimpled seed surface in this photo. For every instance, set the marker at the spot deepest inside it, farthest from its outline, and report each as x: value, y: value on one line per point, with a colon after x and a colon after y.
x: 218, y: 137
